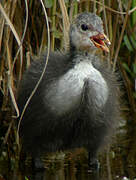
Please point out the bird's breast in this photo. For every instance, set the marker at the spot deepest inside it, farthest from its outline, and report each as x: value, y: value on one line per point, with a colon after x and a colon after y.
x: 66, y: 93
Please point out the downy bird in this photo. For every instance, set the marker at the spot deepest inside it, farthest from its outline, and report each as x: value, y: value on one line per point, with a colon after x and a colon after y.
x: 76, y: 103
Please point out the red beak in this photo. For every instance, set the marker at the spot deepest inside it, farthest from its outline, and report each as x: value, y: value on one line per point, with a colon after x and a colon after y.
x: 101, y: 41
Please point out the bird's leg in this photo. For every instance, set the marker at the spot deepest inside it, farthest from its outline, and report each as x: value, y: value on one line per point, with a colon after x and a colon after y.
x: 93, y: 162
x: 37, y: 163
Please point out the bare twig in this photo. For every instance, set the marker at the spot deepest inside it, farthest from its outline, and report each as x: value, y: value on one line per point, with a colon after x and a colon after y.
x: 8, y: 132
x: 121, y: 9
x: 43, y: 72
x: 53, y: 25
x: 71, y: 11
x: 10, y: 83
x: 9, y: 63
x: 114, y: 36
x: 106, y: 27
x: 110, y: 9
x: 66, y: 23
x: 1, y: 31
x: 25, y: 28
x: 121, y: 35
x: 15, y: 34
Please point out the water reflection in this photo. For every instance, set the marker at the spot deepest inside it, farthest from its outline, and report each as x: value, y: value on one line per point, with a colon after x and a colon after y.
x: 115, y: 165
x: 74, y: 170
x: 65, y: 173
x: 58, y: 170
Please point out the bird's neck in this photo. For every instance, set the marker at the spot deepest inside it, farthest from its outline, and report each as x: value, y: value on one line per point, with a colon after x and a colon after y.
x: 83, y: 55
x: 88, y: 52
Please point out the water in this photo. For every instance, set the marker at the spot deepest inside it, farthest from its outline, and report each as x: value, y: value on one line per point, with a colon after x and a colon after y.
x: 117, y: 163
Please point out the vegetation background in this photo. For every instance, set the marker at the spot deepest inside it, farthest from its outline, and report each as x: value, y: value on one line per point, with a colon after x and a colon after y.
x: 23, y: 33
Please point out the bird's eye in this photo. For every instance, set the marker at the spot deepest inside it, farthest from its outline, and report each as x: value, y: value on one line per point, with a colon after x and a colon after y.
x: 84, y: 27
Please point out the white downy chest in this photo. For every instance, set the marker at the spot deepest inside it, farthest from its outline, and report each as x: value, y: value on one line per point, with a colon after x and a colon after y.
x: 66, y: 92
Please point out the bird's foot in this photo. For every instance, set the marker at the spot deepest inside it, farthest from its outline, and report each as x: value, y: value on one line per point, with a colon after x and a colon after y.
x: 38, y: 164
x: 94, y: 165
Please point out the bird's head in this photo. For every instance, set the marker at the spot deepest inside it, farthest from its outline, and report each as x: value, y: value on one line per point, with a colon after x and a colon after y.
x: 86, y: 33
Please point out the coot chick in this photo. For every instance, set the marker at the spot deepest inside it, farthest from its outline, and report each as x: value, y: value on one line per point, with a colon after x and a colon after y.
x: 76, y: 103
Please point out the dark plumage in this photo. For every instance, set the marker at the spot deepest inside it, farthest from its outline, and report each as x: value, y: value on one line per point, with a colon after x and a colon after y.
x: 76, y: 103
